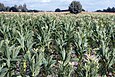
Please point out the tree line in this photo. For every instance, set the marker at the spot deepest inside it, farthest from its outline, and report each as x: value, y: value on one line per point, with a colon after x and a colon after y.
x: 107, y: 10
x: 16, y: 8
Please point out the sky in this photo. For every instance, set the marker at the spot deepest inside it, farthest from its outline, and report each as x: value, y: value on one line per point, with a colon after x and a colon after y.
x: 51, y: 5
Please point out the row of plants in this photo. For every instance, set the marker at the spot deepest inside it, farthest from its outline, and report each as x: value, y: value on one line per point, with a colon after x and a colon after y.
x: 57, y: 45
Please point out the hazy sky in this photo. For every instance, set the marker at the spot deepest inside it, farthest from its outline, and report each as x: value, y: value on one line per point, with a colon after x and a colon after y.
x: 88, y: 5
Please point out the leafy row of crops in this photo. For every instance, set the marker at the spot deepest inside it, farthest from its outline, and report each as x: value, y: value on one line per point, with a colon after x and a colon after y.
x: 57, y: 45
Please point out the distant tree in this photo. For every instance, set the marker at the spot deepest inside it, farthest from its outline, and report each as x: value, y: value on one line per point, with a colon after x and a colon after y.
x: 108, y: 9
x: 98, y: 11
x: 20, y: 7
x: 57, y: 10
x: 13, y: 9
x: 2, y: 7
x: 75, y: 7
x: 7, y: 8
x: 113, y: 9
x: 24, y: 9
x: 104, y: 10
x: 83, y: 9
x: 15, y: 6
x: 33, y: 11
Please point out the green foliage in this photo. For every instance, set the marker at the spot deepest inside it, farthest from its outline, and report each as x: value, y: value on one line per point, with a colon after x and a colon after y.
x: 57, y: 10
x: 57, y: 45
x: 75, y: 7
x: 2, y: 7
